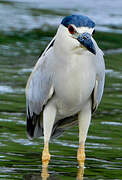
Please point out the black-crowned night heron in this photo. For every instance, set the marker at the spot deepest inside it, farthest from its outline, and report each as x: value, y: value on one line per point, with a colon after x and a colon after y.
x: 66, y: 84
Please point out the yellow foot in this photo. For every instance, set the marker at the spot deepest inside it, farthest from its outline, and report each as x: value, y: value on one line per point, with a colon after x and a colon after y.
x: 81, y: 156
x: 45, y: 158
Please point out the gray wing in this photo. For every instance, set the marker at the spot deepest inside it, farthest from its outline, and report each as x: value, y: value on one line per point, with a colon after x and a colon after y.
x: 99, y: 84
x: 39, y: 90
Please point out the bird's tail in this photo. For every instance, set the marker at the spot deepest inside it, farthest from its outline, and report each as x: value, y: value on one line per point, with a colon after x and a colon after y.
x: 34, y: 126
x: 63, y: 124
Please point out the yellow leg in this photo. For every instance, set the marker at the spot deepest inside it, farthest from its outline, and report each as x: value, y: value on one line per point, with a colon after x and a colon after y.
x: 81, y: 155
x: 45, y: 156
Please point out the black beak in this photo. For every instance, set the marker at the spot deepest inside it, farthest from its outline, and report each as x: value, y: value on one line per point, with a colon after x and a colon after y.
x: 85, y: 40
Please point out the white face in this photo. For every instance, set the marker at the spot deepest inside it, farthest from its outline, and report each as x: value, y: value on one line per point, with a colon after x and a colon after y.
x: 67, y: 38
x: 80, y: 30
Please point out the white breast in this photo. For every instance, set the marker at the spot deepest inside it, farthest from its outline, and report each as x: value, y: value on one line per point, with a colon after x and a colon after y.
x: 74, y: 79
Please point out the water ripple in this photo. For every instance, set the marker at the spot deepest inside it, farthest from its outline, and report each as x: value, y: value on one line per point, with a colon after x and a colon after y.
x: 111, y: 123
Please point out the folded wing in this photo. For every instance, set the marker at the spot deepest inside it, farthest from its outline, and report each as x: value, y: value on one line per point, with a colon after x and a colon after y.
x: 39, y: 90
x: 99, y: 84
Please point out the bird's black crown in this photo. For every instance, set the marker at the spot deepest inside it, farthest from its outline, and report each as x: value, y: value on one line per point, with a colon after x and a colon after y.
x: 78, y: 21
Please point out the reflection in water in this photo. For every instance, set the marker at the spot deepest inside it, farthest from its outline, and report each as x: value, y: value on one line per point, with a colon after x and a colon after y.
x: 80, y: 173
x: 44, y: 173
x: 45, y: 176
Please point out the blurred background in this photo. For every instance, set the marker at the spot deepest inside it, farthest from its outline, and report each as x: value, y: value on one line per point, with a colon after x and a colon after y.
x: 26, y: 27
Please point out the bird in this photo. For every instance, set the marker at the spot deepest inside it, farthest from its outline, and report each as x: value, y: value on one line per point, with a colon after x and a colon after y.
x: 66, y: 84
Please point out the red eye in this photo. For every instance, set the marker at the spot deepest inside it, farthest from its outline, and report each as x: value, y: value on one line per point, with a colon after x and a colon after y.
x: 71, y: 29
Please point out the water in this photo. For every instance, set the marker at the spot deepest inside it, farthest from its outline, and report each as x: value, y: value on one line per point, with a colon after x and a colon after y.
x: 25, y: 15
x: 25, y: 29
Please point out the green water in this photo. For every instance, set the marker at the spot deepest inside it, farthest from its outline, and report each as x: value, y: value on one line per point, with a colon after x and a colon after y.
x: 20, y: 158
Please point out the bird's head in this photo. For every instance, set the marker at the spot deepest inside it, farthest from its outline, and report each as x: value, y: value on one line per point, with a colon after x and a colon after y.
x: 75, y: 33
